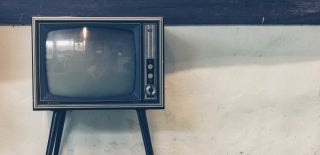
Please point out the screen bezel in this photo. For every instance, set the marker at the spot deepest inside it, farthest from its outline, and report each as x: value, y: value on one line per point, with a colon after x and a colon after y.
x: 131, y: 101
x: 46, y: 27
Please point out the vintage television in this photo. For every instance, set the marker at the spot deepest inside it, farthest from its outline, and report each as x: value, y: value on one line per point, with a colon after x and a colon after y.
x: 97, y: 62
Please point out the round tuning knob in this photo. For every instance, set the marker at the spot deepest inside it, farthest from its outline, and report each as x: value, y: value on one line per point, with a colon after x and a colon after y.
x: 150, y: 66
x: 150, y: 76
x: 150, y: 90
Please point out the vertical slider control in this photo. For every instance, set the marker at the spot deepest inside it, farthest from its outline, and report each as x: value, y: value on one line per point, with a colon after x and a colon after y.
x: 150, y: 40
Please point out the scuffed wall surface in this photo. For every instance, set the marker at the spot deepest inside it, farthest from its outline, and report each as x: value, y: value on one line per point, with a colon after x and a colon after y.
x: 230, y: 90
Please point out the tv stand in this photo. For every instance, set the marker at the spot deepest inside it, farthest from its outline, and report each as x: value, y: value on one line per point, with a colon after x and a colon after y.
x: 57, y: 124
x: 54, y: 140
x: 143, y: 122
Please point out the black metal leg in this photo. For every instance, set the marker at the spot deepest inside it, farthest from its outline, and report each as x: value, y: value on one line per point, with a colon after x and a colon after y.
x: 145, y: 131
x: 52, y: 134
x: 55, y: 135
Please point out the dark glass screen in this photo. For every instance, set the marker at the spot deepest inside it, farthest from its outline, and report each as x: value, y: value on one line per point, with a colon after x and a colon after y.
x: 90, y: 62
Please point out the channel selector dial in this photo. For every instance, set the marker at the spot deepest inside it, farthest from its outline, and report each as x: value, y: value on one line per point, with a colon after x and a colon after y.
x: 150, y: 90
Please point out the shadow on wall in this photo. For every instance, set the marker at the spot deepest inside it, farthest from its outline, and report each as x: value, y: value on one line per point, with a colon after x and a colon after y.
x: 191, y: 47
x: 188, y: 98
x: 99, y: 121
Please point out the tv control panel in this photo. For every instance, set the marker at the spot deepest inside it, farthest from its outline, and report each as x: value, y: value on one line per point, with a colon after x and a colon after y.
x: 150, y: 51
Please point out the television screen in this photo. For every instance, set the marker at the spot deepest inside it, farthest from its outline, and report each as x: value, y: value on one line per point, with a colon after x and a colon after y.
x: 83, y: 62
x: 90, y: 62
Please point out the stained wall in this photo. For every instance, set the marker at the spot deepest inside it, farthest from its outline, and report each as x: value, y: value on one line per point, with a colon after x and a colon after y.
x: 230, y: 90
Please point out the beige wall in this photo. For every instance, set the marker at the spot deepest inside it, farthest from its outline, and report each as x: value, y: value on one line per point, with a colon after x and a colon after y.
x: 230, y: 90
